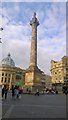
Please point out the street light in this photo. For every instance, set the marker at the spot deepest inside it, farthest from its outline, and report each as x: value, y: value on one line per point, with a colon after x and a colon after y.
x: 0, y: 40
x: 1, y: 30
x: 55, y: 85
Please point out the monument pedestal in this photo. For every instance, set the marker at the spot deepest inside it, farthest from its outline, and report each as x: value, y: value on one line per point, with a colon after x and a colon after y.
x: 33, y: 78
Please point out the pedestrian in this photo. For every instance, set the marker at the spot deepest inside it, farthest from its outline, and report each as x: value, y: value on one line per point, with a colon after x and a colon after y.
x: 27, y: 90
x: 37, y: 92
x: 18, y: 90
x: 6, y: 91
x: 3, y: 91
x: 13, y: 91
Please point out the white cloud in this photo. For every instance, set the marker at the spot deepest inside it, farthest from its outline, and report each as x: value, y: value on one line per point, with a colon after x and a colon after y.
x: 19, y: 51
x: 16, y: 36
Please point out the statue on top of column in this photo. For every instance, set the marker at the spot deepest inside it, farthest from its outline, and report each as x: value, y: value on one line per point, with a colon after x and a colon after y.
x: 34, y: 14
x: 34, y: 20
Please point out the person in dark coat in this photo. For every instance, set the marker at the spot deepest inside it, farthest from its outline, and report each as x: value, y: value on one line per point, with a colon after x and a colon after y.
x: 3, y: 92
x: 6, y: 91
x: 13, y: 91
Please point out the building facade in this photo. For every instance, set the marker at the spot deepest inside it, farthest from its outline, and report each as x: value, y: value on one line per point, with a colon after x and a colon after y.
x: 10, y: 74
x: 48, y: 81
x: 59, y: 70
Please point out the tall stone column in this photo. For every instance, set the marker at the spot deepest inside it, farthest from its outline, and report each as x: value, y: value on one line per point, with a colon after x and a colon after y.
x: 33, y: 53
x: 33, y: 73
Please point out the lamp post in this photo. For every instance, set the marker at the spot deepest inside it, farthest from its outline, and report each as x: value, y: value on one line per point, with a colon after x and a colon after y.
x: 0, y: 40
x: 56, y: 86
x: 61, y: 86
x: 1, y: 30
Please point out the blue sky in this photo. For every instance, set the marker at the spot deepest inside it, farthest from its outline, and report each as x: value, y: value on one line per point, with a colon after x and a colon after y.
x: 15, y: 19
x: 33, y: 0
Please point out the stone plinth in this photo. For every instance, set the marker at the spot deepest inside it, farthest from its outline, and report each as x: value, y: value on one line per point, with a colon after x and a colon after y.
x: 33, y: 77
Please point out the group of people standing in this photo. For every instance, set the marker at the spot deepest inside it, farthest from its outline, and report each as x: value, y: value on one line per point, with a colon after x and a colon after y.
x: 15, y: 91
x: 4, y: 92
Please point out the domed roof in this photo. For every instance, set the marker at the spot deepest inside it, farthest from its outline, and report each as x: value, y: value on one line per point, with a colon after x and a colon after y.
x: 8, y: 61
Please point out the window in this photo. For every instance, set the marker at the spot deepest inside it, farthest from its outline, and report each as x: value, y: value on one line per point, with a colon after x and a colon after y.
x: 6, y: 74
x: 5, y: 79
x: 2, y: 79
x: 66, y: 68
x: 18, y: 77
x: 2, y: 74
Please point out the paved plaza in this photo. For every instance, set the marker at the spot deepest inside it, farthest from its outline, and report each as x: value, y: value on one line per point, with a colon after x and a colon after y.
x: 31, y: 106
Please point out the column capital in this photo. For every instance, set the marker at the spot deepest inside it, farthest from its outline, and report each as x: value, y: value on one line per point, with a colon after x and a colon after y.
x: 34, y: 20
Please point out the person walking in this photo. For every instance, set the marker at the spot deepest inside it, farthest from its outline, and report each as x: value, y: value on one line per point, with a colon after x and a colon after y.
x: 6, y: 91
x: 13, y: 91
x: 3, y: 92
x: 18, y: 90
x: 37, y: 92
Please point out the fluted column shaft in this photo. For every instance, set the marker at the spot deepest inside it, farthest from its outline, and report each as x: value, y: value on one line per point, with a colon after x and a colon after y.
x: 33, y: 53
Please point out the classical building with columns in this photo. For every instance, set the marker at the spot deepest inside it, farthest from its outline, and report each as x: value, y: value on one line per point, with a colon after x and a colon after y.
x: 10, y: 74
x: 59, y: 70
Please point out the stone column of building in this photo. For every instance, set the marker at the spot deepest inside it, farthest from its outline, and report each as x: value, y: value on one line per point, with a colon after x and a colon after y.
x: 33, y: 53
